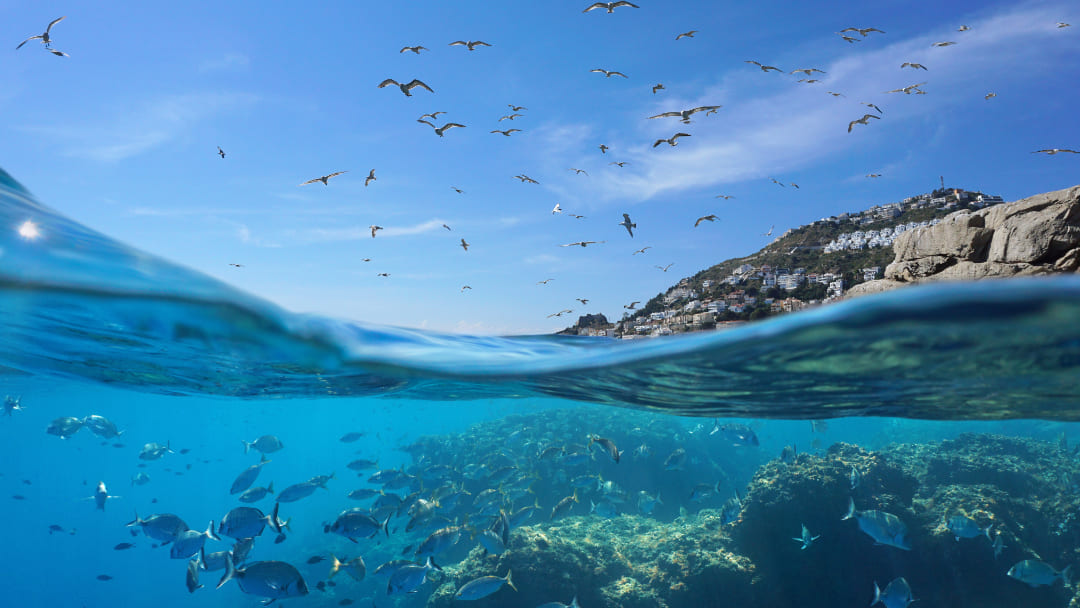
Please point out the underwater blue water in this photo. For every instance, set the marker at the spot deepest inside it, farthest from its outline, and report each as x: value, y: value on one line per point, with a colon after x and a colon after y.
x: 90, y: 326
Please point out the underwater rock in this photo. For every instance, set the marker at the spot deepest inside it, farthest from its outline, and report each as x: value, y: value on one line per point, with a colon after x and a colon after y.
x: 1033, y: 236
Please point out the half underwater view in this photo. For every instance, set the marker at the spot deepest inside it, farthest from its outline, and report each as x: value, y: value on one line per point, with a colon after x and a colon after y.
x: 274, y: 330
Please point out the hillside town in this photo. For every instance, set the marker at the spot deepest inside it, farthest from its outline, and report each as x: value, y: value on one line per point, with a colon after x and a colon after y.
x: 754, y: 291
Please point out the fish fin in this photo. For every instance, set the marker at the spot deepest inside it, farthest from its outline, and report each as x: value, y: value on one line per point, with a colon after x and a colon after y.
x: 264, y: 459
x: 210, y: 531
x: 202, y: 559
x: 877, y: 594
x: 986, y: 531
x: 1066, y: 576
x: 275, y: 523
x: 247, y: 446
x: 510, y: 582
x: 135, y: 522
x: 385, y: 526
x: 230, y: 571
x: 270, y: 488
x: 850, y: 510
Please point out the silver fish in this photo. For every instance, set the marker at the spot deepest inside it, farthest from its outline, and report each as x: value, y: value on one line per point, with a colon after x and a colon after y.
x: 492, y: 542
x: 884, y: 528
x: 357, y: 523
x: 164, y: 527
x: 249, y: 522
x: 256, y: 494
x: 101, y: 495
x: 192, y: 580
x: 304, y: 489
x: 272, y: 580
x: 64, y: 427
x: 140, y: 479
x: 897, y: 594
x: 408, y: 579
x: 153, y: 451
x: 806, y: 539
x: 189, y: 542
x: 439, y: 541
x: 355, y: 567
x: 1036, y: 573
x: 483, y: 587
x: 247, y: 477
x: 266, y: 444
x: 101, y: 426
x: 573, y: 604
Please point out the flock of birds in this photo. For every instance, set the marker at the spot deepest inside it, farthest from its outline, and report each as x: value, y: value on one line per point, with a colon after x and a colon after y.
x: 684, y: 116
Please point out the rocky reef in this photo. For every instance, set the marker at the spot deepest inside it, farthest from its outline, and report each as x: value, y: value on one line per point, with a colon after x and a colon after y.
x: 1026, y: 490
x: 1037, y: 235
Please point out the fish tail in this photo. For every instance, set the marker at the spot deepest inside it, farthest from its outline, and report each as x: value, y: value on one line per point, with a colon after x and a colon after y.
x: 247, y: 446
x: 850, y: 510
x: 877, y: 594
x: 386, y: 526
x: 1066, y: 576
x: 510, y: 582
x: 230, y: 571
x: 986, y: 531
x: 264, y: 459
x: 270, y: 488
x: 335, y: 565
x: 210, y: 531
x: 136, y: 520
x: 202, y: 558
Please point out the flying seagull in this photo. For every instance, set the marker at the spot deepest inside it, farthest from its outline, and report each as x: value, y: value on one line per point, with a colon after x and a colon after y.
x: 705, y: 218
x: 809, y: 80
x: 769, y: 233
x: 870, y: 105
x: 544, y: 282
x: 603, y: 149
x: 556, y: 209
x: 836, y: 94
x: 793, y: 184
x: 464, y: 287
x: 664, y: 268
x: 873, y: 175
x: 626, y: 223
x: 514, y: 108
x: 562, y: 312
x: 685, y: 115
x: 456, y: 189
x: 657, y: 87
x: 609, y: 73
x: 416, y: 49
x: 989, y: 95
x: 671, y: 141
x: 632, y: 305
x: 220, y: 152
x: 1053, y: 151
x: 1060, y: 24
x: 584, y: 301
x: 510, y: 117
x: 507, y: 132
x: 578, y: 171
x: 576, y: 216
x: 526, y: 179
x: 447, y: 227
x: 432, y: 116
x: 365, y: 259
x: 775, y: 181
x: 620, y: 164
x: 370, y: 178
x: 471, y: 44
x: 689, y: 34
x: 464, y: 245
x: 375, y: 229
x: 943, y: 44
x: 323, y: 179
x: 864, y: 31
x: 808, y: 71
x: 610, y: 6
x: 236, y: 265
x: 59, y: 53
x: 850, y: 39
x: 405, y: 88
x: 862, y: 121
x: 582, y: 243
x: 917, y: 66
x: 383, y: 274
x: 724, y: 196
x: 642, y: 250
x: 764, y: 68
x: 908, y: 89
x: 45, y: 39
x: 440, y: 130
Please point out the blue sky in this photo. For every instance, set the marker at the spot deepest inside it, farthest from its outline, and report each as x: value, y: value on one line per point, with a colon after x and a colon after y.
x: 123, y: 135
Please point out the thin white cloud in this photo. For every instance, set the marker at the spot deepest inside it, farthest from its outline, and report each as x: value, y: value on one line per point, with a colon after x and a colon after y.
x: 142, y: 129
x: 227, y: 62
x: 352, y: 233
x: 782, y: 126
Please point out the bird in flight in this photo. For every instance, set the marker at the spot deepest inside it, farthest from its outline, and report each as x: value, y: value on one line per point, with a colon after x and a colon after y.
x: 1060, y: 24
x: 793, y: 184
x: 383, y: 274
x: 769, y: 233
x: 863, y: 31
x: 626, y: 223
x: 873, y: 175
x: 432, y: 116
x: 526, y: 179
x: 685, y: 115
x: 45, y: 39
x: 514, y: 108
x: 375, y: 229
x: 632, y: 305
x: 456, y: 189
x: 556, y: 209
x: 943, y: 44
x: 724, y: 196
x: 657, y: 87
x: 764, y: 68
x: 908, y: 89
x: 370, y: 178
x: 57, y: 52
x: 464, y: 287
x: 447, y: 227
x: 464, y: 245
x: 562, y: 312
x: 664, y: 268
x: 705, y: 218
x: 405, y: 88
x: 1053, y: 151
x: 220, y: 152
x: 236, y: 265
x: 576, y: 216
x: 671, y: 141
x: 416, y: 49
x: 836, y: 94
x: 582, y: 244
x: 323, y: 179
x: 440, y: 130
x: 620, y: 163
x: 850, y: 39
x: 809, y: 80
x: 584, y: 301
x: 609, y: 73
x: 507, y: 132
x: 917, y: 66
x: 862, y: 121
x: 775, y: 181
x: 689, y: 34
x: 603, y: 149
x: 989, y: 95
x: 808, y: 71
x: 963, y: 28
x: 544, y: 282
x: 510, y: 117
x: 470, y: 44
x: 870, y: 105
x: 642, y: 250
x: 365, y: 259
x: 610, y: 6
x: 578, y: 171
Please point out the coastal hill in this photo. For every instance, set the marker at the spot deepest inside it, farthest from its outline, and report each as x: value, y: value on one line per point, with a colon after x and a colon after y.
x: 805, y: 266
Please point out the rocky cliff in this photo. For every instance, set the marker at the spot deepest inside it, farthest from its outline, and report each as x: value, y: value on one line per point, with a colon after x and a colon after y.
x: 1033, y: 236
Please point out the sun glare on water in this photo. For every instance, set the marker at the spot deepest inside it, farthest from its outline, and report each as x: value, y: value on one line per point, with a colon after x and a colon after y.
x: 29, y: 230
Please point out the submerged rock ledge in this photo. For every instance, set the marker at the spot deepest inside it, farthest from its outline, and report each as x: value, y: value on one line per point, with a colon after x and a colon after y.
x: 1037, y: 235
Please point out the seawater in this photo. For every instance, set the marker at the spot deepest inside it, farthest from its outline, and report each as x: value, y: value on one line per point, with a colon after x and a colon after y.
x: 91, y: 326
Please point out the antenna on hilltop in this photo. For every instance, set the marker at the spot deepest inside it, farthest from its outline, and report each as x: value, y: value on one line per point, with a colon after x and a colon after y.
x: 942, y: 178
